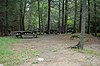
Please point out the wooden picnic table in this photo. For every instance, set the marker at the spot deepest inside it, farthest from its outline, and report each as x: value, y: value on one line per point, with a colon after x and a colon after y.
x: 20, y: 33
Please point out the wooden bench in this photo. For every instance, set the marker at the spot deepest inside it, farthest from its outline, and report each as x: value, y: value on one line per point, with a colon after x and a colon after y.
x: 20, y: 33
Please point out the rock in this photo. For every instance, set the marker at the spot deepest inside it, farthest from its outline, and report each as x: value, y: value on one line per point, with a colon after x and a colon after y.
x: 40, y: 59
x: 1, y: 65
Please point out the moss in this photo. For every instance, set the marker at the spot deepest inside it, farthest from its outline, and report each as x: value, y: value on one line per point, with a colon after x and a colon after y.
x: 75, y: 36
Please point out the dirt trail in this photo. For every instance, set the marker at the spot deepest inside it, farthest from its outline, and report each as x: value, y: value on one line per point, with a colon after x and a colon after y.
x: 54, y: 49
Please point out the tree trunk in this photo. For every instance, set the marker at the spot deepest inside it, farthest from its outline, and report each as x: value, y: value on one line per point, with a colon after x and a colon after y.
x: 59, y: 27
x: 1, y: 20
x: 48, y: 29
x: 42, y: 24
x: 22, y: 15
x: 83, y: 24
x: 39, y: 16
x: 80, y: 16
x: 1, y: 26
x: 66, y: 15
x: 75, y: 17
x: 6, y: 28
x: 88, y: 16
x: 63, y: 16
x: 95, y: 23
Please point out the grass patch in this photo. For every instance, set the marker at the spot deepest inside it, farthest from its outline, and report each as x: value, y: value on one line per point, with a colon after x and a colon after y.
x: 88, y: 51
x: 34, y: 62
x: 7, y: 40
x: 5, y: 51
x: 15, y: 58
x: 9, y: 57
x: 5, y: 43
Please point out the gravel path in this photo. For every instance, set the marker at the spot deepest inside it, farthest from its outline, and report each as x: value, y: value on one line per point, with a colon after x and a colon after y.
x: 54, y: 51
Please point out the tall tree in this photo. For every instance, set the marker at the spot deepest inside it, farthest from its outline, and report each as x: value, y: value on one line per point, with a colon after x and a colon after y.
x: 75, y: 17
x: 48, y: 29
x: 39, y: 16
x: 88, y: 16
x: 6, y: 28
x: 59, y: 27
x: 80, y: 16
x: 83, y: 24
x: 21, y: 28
x: 95, y: 23
x: 22, y: 14
x: 1, y: 18
x: 66, y: 15
x: 63, y: 16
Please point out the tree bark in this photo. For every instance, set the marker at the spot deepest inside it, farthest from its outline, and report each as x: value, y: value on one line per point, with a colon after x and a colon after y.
x: 95, y: 23
x: 48, y: 29
x: 63, y: 16
x: 80, y: 16
x: 22, y: 15
x: 66, y: 15
x: 6, y: 28
x: 75, y: 17
x: 83, y: 24
x: 59, y: 27
x: 1, y: 24
x: 39, y: 16
x: 88, y: 16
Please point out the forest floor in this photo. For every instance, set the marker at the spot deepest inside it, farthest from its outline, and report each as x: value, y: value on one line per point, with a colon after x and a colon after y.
x: 53, y: 50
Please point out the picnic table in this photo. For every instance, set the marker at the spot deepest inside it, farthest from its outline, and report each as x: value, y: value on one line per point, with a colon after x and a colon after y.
x: 20, y: 33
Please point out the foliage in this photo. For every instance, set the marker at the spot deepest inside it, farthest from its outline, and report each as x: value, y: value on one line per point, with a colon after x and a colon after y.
x: 11, y: 13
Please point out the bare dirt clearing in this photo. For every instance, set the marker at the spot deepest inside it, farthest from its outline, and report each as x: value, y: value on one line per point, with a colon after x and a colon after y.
x: 55, y: 52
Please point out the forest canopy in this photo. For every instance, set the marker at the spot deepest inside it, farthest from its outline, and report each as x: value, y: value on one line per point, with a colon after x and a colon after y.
x: 19, y: 15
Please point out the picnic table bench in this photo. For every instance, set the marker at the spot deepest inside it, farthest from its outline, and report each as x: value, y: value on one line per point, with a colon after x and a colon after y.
x: 20, y: 33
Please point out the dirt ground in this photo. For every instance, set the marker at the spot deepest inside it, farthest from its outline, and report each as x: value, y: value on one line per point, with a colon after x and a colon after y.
x: 54, y: 51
